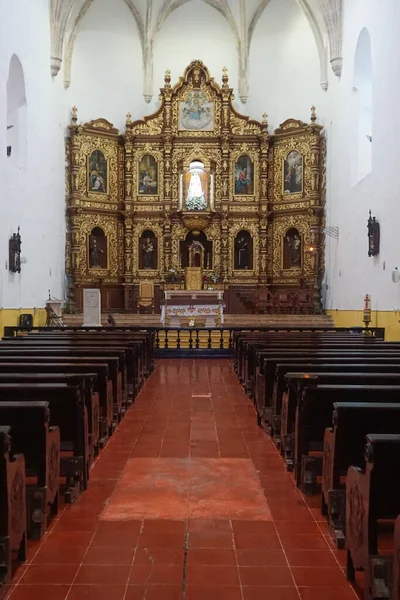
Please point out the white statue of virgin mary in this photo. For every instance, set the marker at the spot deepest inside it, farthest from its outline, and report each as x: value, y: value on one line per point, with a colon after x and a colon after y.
x: 195, y: 199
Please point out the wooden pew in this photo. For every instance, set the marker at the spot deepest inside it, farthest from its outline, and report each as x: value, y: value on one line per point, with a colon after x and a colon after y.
x: 372, y: 494
x: 103, y: 385
x: 344, y: 445
x: 13, y: 533
x: 318, y: 365
x: 135, y: 348
x: 86, y: 383
x: 314, y: 414
x: 40, y: 445
x: 147, y: 337
x: 396, y: 561
x: 69, y: 412
x: 50, y: 354
x: 264, y: 402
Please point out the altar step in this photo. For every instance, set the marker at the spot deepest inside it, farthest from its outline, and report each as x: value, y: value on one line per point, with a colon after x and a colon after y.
x: 231, y: 320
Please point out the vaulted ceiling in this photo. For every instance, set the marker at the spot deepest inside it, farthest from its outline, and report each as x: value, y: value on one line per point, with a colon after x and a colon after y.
x: 324, y: 16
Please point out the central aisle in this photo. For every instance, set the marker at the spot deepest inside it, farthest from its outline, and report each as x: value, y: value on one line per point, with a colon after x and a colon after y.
x: 189, y: 501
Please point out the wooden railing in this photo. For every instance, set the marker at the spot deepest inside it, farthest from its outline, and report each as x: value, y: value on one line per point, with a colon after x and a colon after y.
x: 176, y: 342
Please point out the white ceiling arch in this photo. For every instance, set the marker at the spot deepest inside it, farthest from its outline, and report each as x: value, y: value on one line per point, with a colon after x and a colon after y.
x: 324, y: 16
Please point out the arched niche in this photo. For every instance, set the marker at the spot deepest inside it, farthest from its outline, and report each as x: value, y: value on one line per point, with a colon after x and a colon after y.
x: 363, y: 107
x: 98, y: 173
x: 98, y: 250
x: 16, y: 114
x: 243, y: 259
x: 196, y: 188
x: 148, y: 251
x: 244, y: 176
x: 207, y: 254
x: 148, y: 176
x: 292, y: 249
x: 293, y: 173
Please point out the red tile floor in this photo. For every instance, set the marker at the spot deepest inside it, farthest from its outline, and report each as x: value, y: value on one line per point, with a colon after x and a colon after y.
x: 188, y: 501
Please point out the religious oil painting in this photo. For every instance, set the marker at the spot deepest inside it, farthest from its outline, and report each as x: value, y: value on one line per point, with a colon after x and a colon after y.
x: 293, y: 173
x: 244, y: 176
x: 148, y: 176
x: 196, y: 112
x: 98, y: 172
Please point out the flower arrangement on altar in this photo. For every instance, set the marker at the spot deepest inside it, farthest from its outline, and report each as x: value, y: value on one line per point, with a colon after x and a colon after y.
x: 191, y: 322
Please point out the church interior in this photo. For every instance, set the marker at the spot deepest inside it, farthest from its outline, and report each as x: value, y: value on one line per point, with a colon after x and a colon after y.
x: 199, y: 300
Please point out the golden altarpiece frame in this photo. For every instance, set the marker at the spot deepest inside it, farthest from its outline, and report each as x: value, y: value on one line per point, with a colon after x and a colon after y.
x: 195, y: 171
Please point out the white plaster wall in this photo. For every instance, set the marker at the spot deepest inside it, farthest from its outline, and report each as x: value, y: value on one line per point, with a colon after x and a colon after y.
x: 195, y: 31
x: 32, y: 195
x: 284, y: 68
x: 106, y: 78
x: 350, y: 274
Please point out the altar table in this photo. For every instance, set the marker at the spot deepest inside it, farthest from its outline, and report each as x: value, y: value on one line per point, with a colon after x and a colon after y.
x: 192, y: 304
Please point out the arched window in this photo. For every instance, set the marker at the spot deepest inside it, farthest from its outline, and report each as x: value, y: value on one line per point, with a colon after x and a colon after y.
x: 363, y: 107
x: 16, y: 114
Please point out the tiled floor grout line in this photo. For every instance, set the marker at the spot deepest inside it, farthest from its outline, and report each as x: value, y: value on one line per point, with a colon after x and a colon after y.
x: 133, y: 560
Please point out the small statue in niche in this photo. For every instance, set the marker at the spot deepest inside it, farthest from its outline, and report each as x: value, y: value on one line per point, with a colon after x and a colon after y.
x: 292, y: 250
x: 97, y: 249
x: 95, y: 253
x: 196, y: 254
x: 243, y: 253
x: 195, y: 197
x: 148, y: 251
x: 373, y: 236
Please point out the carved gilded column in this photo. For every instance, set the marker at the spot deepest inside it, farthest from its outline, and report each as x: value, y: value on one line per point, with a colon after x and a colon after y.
x: 225, y: 135
x: 167, y: 127
x: 128, y: 217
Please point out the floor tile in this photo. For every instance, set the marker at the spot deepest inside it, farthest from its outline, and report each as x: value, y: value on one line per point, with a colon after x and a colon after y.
x: 41, y: 592
x: 157, y: 574
x: 47, y: 574
x: 104, y: 574
x: 214, y: 575
x: 319, y: 576
x: 154, y: 592
x: 271, y: 593
x: 213, y: 593
x: 209, y: 556
x: 96, y: 592
x: 266, y: 576
x: 261, y: 558
x: 311, y: 558
x: 104, y: 555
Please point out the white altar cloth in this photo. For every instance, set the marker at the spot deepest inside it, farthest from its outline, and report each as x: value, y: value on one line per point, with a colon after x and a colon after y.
x: 212, y: 312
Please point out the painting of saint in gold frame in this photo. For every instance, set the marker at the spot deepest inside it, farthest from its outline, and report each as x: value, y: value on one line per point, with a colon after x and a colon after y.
x: 293, y: 173
x: 148, y: 176
x: 98, y: 173
x: 244, y: 176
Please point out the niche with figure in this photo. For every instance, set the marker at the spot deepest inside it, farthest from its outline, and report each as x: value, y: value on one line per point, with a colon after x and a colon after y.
x: 196, y: 188
x: 148, y: 246
x: 98, y: 255
x: 196, y: 251
x: 148, y: 176
x: 243, y: 249
x: 244, y: 176
x: 293, y: 173
x: 292, y: 249
x: 98, y: 172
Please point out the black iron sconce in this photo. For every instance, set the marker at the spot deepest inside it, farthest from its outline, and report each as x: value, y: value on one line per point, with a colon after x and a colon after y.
x: 14, y: 246
x: 373, y: 236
